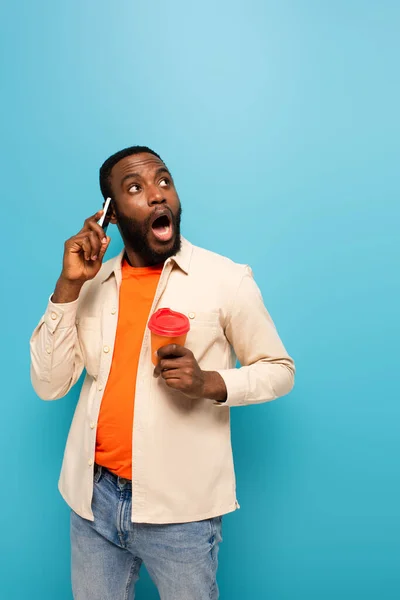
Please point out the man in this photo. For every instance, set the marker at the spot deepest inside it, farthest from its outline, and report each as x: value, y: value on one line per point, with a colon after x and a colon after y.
x: 148, y: 469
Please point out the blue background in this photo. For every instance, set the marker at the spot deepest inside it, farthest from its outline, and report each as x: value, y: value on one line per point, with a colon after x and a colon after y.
x: 280, y: 122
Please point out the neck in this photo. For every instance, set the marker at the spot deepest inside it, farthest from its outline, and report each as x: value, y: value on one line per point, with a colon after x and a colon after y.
x: 137, y: 261
x: 134, y: 259
x: 147, y: 259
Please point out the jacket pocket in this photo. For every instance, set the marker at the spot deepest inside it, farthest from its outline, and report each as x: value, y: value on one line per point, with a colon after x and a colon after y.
x: 89, y: 334
x: 205, y: 330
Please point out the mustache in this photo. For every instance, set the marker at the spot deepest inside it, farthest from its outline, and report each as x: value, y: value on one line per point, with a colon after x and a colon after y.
x: 145, y: 226
x: 165, y: 210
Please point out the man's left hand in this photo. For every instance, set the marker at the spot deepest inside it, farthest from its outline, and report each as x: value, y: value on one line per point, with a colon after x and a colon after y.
x: 181, y: 371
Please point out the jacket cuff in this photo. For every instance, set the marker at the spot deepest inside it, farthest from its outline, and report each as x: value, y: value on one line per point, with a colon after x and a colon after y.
x: 235, y: 386
x: 60, y: 315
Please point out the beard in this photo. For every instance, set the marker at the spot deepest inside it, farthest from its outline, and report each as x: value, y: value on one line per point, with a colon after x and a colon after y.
x: 137, y: 236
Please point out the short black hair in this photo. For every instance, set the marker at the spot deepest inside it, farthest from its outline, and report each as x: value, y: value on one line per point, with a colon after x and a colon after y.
x: 106, y: 167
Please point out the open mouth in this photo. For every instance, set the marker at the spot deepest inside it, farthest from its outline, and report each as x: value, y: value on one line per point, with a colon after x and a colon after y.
x: 162, y: 228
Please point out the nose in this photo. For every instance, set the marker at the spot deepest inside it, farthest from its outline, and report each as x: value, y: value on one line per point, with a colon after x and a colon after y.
x: 155, y: 196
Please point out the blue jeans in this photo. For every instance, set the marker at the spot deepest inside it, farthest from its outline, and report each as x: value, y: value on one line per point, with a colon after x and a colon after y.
x: 107, y: 554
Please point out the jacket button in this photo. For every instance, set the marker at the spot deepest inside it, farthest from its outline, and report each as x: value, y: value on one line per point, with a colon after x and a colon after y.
x: 106, y: 349
x: 192, y: 315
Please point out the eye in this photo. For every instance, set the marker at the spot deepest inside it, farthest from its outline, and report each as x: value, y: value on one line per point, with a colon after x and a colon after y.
x: 165, y: 182
x: 134, y: 188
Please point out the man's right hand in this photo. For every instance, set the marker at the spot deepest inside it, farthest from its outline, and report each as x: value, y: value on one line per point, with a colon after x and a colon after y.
x: 83, y: 257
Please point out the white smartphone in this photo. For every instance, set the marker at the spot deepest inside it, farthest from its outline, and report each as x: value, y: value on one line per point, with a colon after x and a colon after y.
x: 106, y: 216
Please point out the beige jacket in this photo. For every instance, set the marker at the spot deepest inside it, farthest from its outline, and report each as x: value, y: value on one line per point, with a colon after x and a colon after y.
x: 182, y: 457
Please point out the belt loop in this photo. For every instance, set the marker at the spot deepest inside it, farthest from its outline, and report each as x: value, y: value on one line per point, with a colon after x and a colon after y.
x: 122, y: 482
x: 98, y: 471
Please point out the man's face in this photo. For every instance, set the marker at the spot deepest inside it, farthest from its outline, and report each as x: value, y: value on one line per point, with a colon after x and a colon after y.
x: 147, y: 207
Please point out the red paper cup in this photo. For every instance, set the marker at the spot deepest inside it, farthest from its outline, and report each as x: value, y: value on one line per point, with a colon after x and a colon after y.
x: 167, y: 327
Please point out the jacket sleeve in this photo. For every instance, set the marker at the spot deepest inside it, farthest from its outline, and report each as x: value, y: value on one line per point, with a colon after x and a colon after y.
x: 56, y: 356
x: 267, y: 371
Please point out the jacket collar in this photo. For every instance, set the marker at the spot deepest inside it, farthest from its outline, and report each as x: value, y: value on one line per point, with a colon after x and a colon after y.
x: 182, y: 259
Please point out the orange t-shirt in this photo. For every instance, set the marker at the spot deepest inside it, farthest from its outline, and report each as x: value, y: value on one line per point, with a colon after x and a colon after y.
x: 114, y: 429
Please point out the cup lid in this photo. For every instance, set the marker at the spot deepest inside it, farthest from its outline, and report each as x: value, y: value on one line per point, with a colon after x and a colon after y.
x: 168, y: 323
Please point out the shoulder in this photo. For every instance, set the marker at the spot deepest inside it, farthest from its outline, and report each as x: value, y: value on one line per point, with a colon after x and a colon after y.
x: 217, y: 264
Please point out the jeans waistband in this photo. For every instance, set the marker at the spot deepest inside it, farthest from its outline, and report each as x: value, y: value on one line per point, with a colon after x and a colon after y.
x: 121, y: 482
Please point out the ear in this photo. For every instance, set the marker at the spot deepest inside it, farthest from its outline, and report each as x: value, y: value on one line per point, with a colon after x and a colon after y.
x: 113, y: 218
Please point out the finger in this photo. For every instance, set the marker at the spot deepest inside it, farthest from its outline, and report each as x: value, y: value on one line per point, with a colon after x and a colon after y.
x: 173, y: 374
x: 86, y: 247
x: 104, y: 245
x: 157, y: 370
x: 173, y: 350
x: 164, y: 364
x: 79, y: 243
x: 180, y: 373
x: 168, y: 364
x: 94, y: 226
x: 95, y: 245
x: 93, y: 219
x: 77, y: 239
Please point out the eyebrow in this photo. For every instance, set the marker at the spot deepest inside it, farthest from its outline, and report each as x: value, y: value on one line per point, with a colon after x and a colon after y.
x: 138, y: 176
x: 163, y: 170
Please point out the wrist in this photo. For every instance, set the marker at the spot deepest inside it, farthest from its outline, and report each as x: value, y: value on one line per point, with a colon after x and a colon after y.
x: 214, y: 386
x: 66, y: 291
